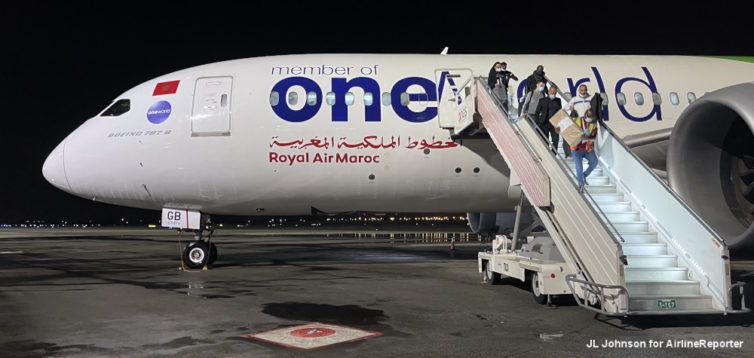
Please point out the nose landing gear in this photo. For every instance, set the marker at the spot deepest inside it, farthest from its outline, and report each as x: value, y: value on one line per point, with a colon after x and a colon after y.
x: 201, y: 252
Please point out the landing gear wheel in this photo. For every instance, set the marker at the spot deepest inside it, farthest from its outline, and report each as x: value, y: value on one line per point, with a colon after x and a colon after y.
x: 492, y: 278
x: 212, y: 254
x: 196, y: 255
x: 535, y: 291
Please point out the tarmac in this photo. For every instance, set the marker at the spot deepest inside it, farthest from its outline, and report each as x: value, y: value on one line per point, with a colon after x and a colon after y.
x: 122, y: 293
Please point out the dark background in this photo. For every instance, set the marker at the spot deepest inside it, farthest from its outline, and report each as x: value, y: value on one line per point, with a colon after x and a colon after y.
x: 62, y: 64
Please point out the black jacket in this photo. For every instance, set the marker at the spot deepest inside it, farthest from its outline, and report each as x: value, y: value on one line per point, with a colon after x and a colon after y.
x: 543, y: 110
x: 596, y: 104
x: 492, y: 78
x: 532, y: 80
x: 505, y: 77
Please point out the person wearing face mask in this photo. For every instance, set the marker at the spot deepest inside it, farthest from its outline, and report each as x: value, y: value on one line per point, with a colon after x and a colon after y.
x: 496, y: 85
x: 531, y: 83
x: 546, y: 108
x: 581, y: 102
x: 504, y: 76
x: 532, y: 100
x: 585, y: 149
x: 501, y: 79
x: 536, y: 77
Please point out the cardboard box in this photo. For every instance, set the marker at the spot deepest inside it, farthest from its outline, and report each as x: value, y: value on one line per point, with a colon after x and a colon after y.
x: 570, y: 132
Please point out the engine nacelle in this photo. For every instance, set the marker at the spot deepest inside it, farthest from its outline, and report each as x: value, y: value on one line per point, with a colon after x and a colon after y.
x: 497, y: 223
x: 710, y: 161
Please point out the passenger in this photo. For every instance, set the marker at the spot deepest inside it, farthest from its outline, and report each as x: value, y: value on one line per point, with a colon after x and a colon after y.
x: 493, y: 80
x: 531, y: 83
x: 546, y: 108
x: 585, y: 149
x: 492, y: 77
x: 502, y: 79
x: 532, y: 99
x: 505, y: 77
x: 581, y: 102
x: 536, y: 77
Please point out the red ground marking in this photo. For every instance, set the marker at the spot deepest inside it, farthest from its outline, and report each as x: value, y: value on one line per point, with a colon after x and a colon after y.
x: 312, y: 332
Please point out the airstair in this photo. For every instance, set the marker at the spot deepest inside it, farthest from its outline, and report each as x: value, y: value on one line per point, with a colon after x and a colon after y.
x: 633, y: 245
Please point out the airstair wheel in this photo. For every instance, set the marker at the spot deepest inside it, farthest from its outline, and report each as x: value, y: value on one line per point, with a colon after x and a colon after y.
x: 535, y: 291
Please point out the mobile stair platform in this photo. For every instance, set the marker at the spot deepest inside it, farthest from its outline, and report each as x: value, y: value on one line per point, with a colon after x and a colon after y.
x: 628, y: 245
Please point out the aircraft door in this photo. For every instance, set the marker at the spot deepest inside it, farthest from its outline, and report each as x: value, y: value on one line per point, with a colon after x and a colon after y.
x: 455, y: 107
x: 210, y: 115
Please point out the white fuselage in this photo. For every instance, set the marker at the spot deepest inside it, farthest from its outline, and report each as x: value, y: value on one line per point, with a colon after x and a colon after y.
x: 242, y: 155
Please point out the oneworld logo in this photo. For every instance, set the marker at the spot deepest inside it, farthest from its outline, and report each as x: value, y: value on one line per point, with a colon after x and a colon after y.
x: 159, y: 112
x: 427, y: 94
x: 340, y: 86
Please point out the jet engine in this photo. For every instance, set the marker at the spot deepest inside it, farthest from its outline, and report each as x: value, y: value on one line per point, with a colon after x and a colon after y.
x: 710, y: 161
x: 497, y: 223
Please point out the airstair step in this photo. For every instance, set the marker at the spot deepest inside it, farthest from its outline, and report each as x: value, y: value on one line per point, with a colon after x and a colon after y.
x: 623, y: 217
x: 669, y: 288
x: 596, y: 172
x: 572, y: 166
x: 606, y: 197
x: 656, y: 273
x: 602, y: 189
x: 616, y: 207
x: 670, y: 303
x: 638, y: 261
x: 636, y: 226
x: 644, y: 249
x: 639, y: 237
x: 593, y: 179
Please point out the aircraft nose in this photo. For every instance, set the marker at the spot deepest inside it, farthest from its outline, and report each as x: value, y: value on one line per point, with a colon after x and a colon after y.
x: 53, y: 168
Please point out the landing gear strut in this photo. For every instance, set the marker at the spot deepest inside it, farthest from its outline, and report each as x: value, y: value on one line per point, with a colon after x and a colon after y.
x: 201, y: 252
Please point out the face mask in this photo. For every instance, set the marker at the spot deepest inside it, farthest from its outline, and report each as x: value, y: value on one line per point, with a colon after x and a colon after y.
x: 585, y: 95
x: 552, y: 96
x: 589, y: 119
x: 499, y: 69
x: 540, y: 88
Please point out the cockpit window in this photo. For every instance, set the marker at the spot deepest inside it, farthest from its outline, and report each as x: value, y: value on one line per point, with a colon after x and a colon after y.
x: 119, y: 107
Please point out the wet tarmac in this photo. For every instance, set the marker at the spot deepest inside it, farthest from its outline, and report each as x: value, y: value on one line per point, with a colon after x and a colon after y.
x: 120, y: 292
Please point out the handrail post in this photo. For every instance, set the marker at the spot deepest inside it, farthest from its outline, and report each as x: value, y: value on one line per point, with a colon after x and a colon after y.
x: 517, y: 223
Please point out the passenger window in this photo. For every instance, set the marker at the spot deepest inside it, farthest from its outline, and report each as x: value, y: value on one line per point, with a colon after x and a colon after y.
x: 639, y: 98
x: 621, y: 98
x: 292, y: 98
x: 656, y: 99
x: 404, y: 99
x: 224, y: 100
x: 330, y: 98
x: 311, y: 98
x: 274, y: 98
x: 691, y: 97
x: 674, y: 98
x: 349, y: 99
x: 117, y: 108
x: 368, y: 100
x: 386, y: 99
x: 604, y: 98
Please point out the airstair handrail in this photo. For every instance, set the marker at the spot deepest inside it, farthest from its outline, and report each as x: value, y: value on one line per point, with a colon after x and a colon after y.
x: 598, y: 290
x: 598, y: 212
x: 665, y: 186
x: 681, y: 228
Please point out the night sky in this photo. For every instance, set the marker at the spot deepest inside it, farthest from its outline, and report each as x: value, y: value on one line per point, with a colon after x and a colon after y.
x: 63, y: 64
